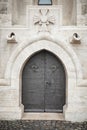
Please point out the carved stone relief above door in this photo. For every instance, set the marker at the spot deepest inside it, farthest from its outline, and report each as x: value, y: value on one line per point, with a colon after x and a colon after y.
x: 44, y: 18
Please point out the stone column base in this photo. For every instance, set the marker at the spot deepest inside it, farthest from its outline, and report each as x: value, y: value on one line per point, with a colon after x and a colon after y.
x: 75, y: 114
x: 11, y: 113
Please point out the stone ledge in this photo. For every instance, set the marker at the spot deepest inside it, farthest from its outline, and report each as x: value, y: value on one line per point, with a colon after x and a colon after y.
x: 82, y: 83
x: 4, y: 82
x: 43, y: 116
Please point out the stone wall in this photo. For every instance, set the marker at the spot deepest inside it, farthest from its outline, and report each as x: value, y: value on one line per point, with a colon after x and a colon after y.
x: 82, y: 12
x: 23, y: 37
x: 5, y: 15
x: 41, y: 29
x: 17, y: 11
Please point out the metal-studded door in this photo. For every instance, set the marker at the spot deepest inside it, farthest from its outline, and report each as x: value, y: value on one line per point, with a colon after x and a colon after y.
x: 43, y: 83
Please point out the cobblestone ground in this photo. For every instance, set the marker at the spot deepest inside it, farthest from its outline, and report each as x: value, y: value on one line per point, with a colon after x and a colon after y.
x: 41, y: 125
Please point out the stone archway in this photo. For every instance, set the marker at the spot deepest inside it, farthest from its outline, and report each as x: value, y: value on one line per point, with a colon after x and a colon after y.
x: 25, y: 50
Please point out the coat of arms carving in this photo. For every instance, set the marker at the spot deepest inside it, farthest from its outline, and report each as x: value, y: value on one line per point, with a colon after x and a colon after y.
x: 44, y: 19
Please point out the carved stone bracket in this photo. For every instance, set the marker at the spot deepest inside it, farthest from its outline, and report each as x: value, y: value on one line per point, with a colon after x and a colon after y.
x: 11, y: 38
x: 75, y: 39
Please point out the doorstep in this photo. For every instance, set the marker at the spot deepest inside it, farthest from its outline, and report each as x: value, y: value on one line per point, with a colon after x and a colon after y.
x: 43, y: 116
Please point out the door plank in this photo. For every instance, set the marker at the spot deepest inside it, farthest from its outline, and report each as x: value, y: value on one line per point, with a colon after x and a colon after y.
x: 55, y: 88
x: 33, y: 83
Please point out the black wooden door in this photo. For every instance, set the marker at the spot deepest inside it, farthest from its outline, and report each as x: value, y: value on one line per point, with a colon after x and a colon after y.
x: 43, y: 83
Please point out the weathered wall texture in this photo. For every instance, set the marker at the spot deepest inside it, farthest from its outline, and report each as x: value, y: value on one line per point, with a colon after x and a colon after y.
x: 35, y: 28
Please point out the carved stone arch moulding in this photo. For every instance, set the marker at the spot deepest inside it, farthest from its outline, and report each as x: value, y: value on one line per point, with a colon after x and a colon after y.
x: 54, y: 41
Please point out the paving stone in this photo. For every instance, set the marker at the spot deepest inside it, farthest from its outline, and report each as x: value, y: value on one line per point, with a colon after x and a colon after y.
x: 41, y: 125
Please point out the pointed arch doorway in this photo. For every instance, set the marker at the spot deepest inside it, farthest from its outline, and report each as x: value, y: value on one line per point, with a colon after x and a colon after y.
x: 43, y: 83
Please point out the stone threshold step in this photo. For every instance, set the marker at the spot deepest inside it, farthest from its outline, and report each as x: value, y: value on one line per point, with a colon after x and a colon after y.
x: 43, y: 116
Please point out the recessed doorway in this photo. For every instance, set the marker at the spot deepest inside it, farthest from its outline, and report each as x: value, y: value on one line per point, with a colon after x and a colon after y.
x: 43, y: 83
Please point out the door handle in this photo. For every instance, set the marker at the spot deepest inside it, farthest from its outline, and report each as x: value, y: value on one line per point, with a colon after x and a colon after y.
x: 47, y: 83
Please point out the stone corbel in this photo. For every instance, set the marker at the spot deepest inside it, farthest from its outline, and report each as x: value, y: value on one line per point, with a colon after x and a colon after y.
x: 75, y: 39
x: 11, y: 38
